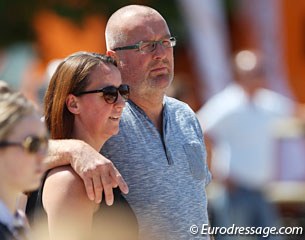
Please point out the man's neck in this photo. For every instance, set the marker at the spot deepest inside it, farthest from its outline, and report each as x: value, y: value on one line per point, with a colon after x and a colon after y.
x: 153, y: 110
x: 250, y: 91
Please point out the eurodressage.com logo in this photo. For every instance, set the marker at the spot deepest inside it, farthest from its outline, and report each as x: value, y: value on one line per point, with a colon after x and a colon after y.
x: 265, y: 232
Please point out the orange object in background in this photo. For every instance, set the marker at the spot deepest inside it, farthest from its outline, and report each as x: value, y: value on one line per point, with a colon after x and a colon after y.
x: 293, y: 32
x: 57, y: 37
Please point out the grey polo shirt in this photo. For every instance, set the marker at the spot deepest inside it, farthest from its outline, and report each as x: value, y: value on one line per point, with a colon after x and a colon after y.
x: 166, y: 174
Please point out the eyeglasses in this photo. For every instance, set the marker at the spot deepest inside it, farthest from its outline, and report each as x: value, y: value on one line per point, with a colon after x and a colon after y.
x: 110, y: 93
x: 32, y: 144
x: 149, y: 46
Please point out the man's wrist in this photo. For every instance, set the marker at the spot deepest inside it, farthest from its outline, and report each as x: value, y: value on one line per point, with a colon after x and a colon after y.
x: 61, y: 152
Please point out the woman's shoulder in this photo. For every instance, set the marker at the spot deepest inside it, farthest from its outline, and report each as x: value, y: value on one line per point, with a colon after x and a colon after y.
x: 63, y: 186
x: 64, y: 177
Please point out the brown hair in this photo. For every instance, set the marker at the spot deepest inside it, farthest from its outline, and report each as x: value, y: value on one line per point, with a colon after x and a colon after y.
x: 71, y: 76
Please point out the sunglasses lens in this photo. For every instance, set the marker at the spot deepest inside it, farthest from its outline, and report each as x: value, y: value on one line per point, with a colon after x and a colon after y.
x: 110, y: 94
x: 35, y: 144
x: 124, y: 91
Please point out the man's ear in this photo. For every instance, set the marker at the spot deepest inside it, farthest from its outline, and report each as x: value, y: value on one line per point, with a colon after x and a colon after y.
x: 72, y: 104
x: 112, y: 54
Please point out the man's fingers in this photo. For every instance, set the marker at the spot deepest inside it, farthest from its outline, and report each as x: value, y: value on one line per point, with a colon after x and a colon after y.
x: 107, y: 183
x: 89, y: 188
x: 98, y: 188
x: 123, y: 185
x: 103, y: 178
x: 117, y: 177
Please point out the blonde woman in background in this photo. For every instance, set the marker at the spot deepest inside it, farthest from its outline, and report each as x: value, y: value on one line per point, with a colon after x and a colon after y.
x: 23, y: 146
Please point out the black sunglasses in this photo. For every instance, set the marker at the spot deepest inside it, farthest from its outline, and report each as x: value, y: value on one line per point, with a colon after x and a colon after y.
x: 32, y: 144
x: 110, y: 93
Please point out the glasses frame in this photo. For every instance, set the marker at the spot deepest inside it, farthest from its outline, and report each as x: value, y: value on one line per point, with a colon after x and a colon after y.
x: 104, y: 92
x: 138, y: 45
x: 29, y: 144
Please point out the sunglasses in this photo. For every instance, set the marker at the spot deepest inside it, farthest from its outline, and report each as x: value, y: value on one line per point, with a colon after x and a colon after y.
x: 110, y: 93
x: 32, y: 144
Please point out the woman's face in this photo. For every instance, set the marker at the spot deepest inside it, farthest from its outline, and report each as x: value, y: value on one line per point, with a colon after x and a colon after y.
x: 98, y: 120
x: 20, y: 169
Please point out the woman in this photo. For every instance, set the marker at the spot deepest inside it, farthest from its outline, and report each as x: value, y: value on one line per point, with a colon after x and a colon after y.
x: 84, y: 100
x: 23, y: 146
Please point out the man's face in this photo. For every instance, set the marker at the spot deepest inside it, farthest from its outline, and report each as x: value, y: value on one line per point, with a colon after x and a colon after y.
x: 149, y: 73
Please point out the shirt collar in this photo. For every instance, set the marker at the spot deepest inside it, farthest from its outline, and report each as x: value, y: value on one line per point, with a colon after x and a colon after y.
x: 132, y: 104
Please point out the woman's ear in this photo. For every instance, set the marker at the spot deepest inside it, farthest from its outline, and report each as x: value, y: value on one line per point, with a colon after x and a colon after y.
x: 72, y: 104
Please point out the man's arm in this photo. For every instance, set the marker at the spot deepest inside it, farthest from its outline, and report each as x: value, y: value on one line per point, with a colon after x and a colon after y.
x: 98, y: 173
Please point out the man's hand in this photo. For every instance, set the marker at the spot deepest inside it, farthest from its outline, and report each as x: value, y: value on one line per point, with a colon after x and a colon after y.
x: 98, y: 173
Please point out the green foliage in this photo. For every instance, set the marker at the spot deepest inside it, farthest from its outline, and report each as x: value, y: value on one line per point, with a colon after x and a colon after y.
x: 15, y: 20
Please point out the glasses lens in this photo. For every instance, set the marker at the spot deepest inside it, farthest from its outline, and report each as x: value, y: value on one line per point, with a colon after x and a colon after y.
x: 124, y: 91
x: 35, y: 144
x: 146, y: 47
x: 166, y: 43
x: 110, y: 94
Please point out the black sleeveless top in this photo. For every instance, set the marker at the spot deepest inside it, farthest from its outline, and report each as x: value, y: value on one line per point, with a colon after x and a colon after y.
x: 5, y: 233
x: 116, y: 222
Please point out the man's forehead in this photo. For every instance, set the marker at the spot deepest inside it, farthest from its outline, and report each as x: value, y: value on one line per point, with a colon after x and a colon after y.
x: 147, y: 28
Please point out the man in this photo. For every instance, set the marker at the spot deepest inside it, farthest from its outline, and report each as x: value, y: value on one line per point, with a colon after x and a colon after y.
x: 159, y: 149
x: 241, y: 122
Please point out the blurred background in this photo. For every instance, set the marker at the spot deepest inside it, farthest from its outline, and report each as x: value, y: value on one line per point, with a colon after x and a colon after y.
x: 35, y: 34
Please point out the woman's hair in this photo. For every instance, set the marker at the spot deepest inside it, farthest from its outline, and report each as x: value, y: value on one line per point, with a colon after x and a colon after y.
x: 4, y: 88
x: 71, y: 76
x: 13, y: 107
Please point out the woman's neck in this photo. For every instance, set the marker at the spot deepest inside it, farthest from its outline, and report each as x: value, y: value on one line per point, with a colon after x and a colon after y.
x: 93, y: 142
x: 96, y: 144
x: 9, y: 198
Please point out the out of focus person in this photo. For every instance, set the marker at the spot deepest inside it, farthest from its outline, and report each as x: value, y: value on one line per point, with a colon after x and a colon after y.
x: 23, y: 146
x: 84, y: 100
x: 240, y: 123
